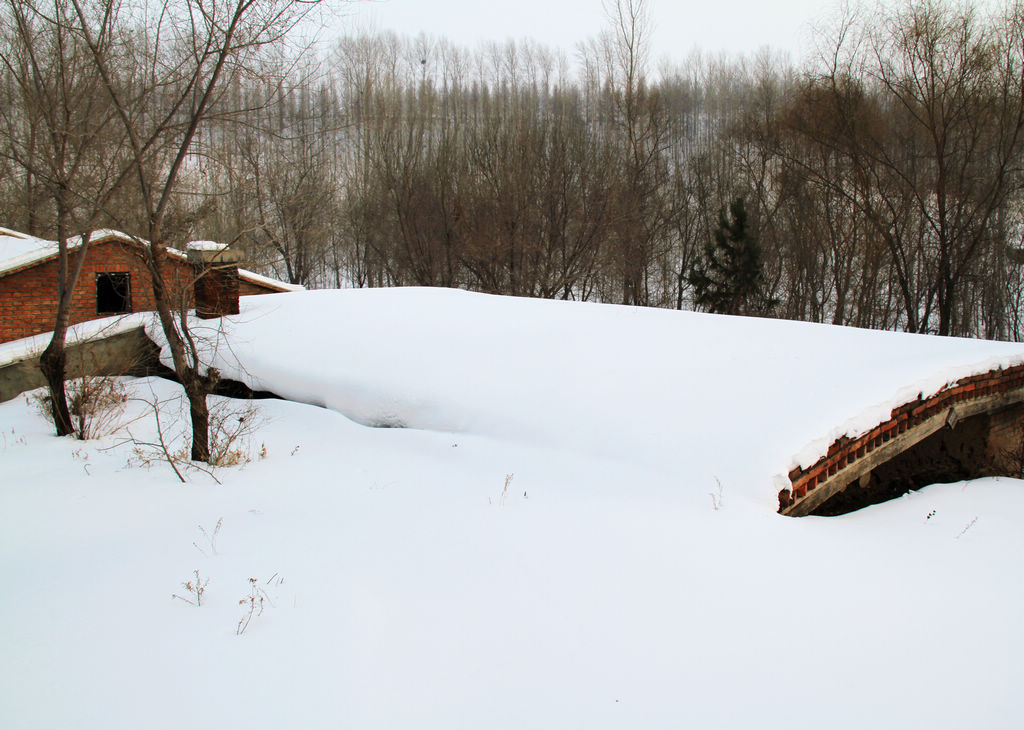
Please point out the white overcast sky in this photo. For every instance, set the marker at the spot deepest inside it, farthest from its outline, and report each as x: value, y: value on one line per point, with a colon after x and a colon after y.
x: 713, y: 26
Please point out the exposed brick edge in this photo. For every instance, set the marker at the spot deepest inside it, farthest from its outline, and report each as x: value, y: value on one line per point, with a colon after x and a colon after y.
x: 845, y: 449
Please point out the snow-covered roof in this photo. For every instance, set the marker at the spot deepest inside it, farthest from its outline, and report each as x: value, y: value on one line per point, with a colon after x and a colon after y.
x: 206, y: 246
x: 20, y: 251
x: 255, y: 278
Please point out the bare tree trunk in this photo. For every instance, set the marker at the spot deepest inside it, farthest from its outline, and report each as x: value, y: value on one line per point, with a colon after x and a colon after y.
x: 199, y: 413
x: 52, y: 363
x: 54, y: 358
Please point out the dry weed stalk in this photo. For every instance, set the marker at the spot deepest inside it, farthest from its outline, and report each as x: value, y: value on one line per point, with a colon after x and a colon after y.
x: 211, y: 538
x: 196, y: 588
x: 254, y: 602
x: 716, y: 495
x: 504, y: 492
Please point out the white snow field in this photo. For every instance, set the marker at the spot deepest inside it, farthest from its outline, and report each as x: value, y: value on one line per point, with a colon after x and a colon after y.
x: 631, y: 573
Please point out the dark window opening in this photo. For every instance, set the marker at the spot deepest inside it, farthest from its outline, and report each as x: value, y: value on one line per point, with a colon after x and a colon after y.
x: 113, y: 293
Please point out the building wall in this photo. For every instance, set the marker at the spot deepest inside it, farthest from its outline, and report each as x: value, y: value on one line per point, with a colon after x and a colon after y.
x: 247, y: 288
x: 28, y: 298
x: 1006, y: 441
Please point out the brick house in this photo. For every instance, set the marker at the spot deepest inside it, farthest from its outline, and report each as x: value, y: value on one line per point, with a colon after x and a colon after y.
x: 114, y: 280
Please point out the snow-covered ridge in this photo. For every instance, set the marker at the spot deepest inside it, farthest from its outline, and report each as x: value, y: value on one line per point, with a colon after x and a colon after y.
x: 653, y: 387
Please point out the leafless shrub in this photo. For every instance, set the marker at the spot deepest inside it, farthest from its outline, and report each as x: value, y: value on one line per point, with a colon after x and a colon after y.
x: 232, y: 424
x: 96, y: 404
x: 145, y: 453
x: 231, y: 429
x: 195, y: 589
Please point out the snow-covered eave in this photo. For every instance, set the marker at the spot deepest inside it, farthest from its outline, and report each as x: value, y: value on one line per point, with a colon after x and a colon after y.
x: 880, y: 413
x: 266, y: 281
x: 827, y: 466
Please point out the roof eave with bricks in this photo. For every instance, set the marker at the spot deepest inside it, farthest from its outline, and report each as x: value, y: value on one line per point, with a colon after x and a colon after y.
x: 48, y: 251
x: 807, y: 485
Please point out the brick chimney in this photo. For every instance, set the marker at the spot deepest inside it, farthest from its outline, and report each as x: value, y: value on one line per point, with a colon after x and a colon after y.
x: 216, y: 278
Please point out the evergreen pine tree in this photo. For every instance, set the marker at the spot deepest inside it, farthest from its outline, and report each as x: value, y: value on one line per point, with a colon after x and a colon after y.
x: 729, y: 279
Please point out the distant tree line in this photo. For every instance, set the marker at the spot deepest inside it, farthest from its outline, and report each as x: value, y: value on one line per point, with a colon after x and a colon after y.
x: 879, y: 185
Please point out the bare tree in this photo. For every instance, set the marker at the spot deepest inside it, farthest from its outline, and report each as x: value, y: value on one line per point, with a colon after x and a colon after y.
x: 280, y: 179
x: 928, y: 108
x: 640, y: 125
x: 58, y: 95
x: 169, y: 74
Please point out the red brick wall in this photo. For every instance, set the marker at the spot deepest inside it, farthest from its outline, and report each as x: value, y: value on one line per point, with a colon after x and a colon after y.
x: 28, y: 298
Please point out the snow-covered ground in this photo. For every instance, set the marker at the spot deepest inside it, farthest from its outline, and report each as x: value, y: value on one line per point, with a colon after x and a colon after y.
x: 632, y: 574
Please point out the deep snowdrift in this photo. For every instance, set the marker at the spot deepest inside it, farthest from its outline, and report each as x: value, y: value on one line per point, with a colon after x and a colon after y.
x: 610, y: 585
x: 666, y: 390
